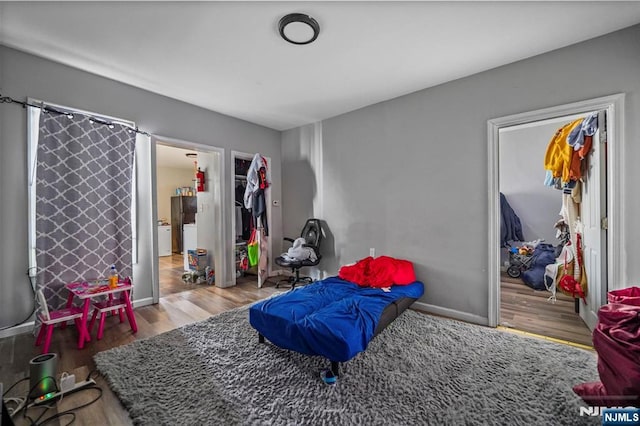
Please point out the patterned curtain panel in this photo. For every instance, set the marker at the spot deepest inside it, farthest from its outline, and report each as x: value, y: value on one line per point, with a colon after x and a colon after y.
x: 83, y: 202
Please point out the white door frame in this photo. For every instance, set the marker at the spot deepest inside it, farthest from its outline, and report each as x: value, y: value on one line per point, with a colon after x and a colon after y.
x: 219, y: 253
x: 616, y: 259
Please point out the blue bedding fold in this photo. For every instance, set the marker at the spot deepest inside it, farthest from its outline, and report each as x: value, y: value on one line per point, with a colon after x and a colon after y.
x: 332, y: 318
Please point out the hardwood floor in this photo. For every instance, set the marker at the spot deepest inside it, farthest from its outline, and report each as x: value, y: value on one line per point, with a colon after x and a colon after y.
x: 525, y: 309
x: 175, y: 309
x: 171, y: 269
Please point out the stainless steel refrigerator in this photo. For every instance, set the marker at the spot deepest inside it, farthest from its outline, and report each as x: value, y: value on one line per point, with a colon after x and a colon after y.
x: 183, y: 211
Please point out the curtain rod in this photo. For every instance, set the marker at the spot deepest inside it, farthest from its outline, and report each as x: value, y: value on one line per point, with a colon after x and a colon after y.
x: 10, y: 100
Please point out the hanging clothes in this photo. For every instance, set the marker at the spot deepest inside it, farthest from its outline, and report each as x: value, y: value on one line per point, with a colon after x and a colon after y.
x: 570, y: 212
x: 259, y: 200
x: 557, y: 159
x: 564, y: 164
x: 263, y: 260
x: 576, y: 165
x: 581, y: 274
x: 243, y: 215
x: 253, y: 179
x: 588, y: 127
x: 254, y: 195
x: 569, y: 146
x: 563, y: 264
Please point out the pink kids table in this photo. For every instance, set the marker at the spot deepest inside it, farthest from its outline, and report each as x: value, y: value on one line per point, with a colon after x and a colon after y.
x: 85, y: 291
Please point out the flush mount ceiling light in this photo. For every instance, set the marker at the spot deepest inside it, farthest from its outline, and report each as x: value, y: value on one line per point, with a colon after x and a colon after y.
x: 298, y: 28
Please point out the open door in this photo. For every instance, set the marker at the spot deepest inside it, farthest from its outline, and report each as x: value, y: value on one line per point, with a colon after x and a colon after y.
x: 594, y: 219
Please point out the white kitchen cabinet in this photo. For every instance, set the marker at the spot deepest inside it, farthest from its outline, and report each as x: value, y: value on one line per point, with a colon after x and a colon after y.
x: 164, y: 240
x: 190, y: 241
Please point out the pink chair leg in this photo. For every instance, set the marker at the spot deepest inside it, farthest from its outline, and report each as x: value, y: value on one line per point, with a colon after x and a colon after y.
x: 101, y: 326
x: 130, y: 315
x: 121, y: 313
x: 47, y: 340
x: 93, y: 321
x: 69, y: 304
x: 41, y: 334
x: 84, y: 333
x: 78, y: 322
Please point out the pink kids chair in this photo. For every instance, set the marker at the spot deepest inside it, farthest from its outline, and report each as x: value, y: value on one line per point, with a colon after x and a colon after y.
x: 49, y: 319
x: 112, y: 305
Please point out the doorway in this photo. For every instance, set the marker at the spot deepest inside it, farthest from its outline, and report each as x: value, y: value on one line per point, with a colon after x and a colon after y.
x: 612, y: 236
x: 242, y: 222
x: 189, y: 219
x: 527, y: 302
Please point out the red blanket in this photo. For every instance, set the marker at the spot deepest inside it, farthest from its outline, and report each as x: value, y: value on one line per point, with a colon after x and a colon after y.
x: 382, y: 271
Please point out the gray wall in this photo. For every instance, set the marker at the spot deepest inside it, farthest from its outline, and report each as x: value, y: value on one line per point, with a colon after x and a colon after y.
x: 168, y: 179
x: 409, y: 176
x: 522, y: 174
x: 23, y: 75
x: 297, y: 198
x: 302, y: 199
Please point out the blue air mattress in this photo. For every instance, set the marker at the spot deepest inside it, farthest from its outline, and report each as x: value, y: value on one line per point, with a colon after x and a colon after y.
x: 331, y: 318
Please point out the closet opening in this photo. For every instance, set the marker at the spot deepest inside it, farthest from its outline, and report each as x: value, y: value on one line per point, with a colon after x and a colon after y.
x: 246, y: 228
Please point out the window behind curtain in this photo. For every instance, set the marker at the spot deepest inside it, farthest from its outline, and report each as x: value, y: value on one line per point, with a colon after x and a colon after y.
x: 82, y: 209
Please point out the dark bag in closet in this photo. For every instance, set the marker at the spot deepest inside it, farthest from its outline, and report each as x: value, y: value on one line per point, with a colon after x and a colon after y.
x: 543, y: 255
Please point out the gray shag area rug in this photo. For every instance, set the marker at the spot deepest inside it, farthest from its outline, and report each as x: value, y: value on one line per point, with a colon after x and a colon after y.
x: 421, y: 370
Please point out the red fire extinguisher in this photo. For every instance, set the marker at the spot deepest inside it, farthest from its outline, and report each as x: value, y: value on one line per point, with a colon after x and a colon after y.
x: 200, y: 180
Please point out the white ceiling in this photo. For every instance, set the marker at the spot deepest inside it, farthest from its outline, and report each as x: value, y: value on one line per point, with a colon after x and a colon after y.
x: 228, y: 56
x: 170, y: 156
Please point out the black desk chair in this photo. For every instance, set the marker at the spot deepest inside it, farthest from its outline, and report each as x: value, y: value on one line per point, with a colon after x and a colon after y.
x: 312, y: 233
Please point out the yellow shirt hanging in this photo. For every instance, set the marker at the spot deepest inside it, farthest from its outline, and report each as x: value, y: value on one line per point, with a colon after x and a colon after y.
x: 557, y: 159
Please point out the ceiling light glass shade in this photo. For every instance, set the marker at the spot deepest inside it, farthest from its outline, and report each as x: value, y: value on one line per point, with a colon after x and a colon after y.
x: 298, y: 28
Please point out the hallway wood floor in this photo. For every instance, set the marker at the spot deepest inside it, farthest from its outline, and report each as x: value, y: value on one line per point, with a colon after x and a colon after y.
x: 525, y: 309
x: 171, y: 269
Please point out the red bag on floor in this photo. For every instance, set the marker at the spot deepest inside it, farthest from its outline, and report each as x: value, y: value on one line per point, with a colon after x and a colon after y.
x: 627, y: 296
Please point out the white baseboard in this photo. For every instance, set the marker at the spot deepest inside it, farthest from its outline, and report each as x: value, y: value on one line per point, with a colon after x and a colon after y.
x: 142, y: 302
x: 26, y: 327
x: 450, y: 313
